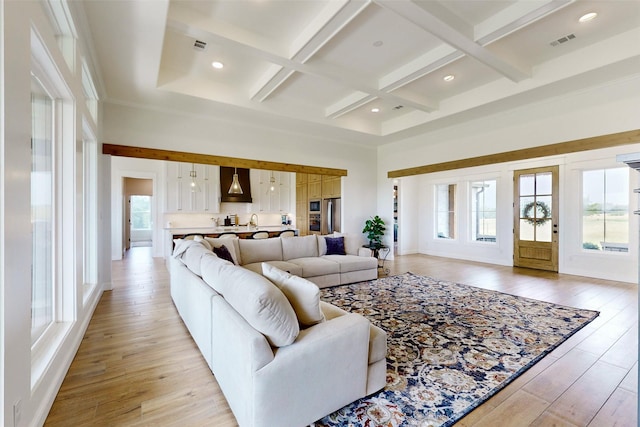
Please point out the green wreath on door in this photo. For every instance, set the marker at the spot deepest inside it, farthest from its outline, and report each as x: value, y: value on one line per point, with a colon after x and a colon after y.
x: 544, y: 211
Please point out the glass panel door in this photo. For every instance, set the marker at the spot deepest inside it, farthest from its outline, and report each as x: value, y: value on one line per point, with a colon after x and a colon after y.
x: 536, y: 225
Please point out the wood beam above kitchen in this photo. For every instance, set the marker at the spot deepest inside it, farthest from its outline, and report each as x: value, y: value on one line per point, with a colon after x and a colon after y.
x: 208, y: 159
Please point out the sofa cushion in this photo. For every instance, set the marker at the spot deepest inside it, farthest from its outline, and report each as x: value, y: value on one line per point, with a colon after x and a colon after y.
x: 259, y: 250
x: 352, y: 242
x: 255, y: 298
x: 299, y: 247
x: 192, y: 256
x: 377, y: 344
x: 316, y: 266
x: 303, y: 295
x: 282, y: 265
x: 199, y: 238
x: 349, y: 263
x: 230, y: 243
x: 335, y: 245
x: 211, y: 265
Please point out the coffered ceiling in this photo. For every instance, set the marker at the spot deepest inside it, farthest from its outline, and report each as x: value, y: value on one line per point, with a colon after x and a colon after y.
x: 370, y: 70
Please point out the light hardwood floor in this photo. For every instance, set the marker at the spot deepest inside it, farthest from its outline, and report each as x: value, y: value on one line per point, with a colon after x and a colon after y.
x: 137, y: 364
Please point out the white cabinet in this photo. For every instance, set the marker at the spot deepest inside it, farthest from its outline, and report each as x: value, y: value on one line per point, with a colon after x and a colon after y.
x: 184, y: 196
x: 210, y: 188
x: 267, y: 200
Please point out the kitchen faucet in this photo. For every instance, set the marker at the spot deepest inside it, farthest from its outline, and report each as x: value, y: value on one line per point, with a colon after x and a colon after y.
x: 254, y: 220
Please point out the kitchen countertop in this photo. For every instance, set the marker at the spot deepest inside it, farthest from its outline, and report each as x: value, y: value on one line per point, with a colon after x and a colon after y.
x: 233, y: 229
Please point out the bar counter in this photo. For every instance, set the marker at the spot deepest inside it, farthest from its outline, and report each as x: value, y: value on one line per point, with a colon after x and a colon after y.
x: 242, y: 231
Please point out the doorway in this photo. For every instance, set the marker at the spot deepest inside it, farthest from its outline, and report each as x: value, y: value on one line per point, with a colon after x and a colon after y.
x: 138, y: 224
x: 536, y: 218
x: 395, y: 218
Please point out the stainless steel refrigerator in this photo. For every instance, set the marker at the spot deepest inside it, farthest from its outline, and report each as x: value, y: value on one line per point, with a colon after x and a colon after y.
x: 331, y: 217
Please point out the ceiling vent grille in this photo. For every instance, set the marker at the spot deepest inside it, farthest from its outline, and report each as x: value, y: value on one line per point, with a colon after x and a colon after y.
x: 563, y: 40
x: 199, y: 45
x: 398, y: 107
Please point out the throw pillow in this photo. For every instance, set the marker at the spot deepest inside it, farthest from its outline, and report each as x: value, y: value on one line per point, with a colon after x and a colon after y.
x: 255, y: 298
x: 303, y: 295
x: 352, y: 242
x: 335, y: 246
x: 230, y: 243
x: 223, y: 252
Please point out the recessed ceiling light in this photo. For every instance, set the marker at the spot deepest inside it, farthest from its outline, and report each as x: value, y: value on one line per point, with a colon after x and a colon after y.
x: 217, y: 65
x: 588, y: 17
x: 448, y: 77
x: 375, y: 110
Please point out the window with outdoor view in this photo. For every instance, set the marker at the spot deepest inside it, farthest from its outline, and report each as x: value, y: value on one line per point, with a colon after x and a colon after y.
x: 605, y: 210
x: 42, y: 210
x: 445, y: 211
x: 483, y: 211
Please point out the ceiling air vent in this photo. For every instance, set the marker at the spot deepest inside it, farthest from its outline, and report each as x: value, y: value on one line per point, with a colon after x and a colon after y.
x: 563, y: 40
x: 199, y: 45
x: 398, y: 107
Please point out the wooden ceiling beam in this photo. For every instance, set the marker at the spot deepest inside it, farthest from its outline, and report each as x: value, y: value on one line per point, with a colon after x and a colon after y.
x: 586, y: 144
x: 208, y: 159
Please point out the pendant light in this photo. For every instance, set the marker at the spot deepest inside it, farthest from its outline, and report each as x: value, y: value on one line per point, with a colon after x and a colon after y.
x: 195, y: 188
x: 272, y: 184
x: 235, y: 184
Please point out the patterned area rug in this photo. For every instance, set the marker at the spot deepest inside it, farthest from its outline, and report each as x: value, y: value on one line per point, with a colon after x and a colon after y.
x: 450, y: 346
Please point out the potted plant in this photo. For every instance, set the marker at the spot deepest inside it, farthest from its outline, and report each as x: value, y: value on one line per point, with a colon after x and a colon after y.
x: 375, y: 229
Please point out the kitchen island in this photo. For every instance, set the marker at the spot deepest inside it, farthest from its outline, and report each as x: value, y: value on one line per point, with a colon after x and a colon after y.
x: 242, y: 231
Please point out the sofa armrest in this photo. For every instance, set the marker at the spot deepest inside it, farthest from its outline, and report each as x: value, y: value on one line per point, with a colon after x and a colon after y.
x: 323, y: 370
x: 365, y: 252
x: 330, y: 311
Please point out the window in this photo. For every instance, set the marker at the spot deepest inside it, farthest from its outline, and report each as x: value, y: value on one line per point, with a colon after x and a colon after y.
x: 141, y: 227
x: 90, y: 93
x: 90, y: 202
x: 445, y: 211
x: 605, y: 210
x: 483, y: 211
x: 141, y: 212
x: 42, y: 210
x: 54, y: 208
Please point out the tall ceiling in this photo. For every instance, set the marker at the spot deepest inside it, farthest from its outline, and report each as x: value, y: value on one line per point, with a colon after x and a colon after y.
x: 371, y: 71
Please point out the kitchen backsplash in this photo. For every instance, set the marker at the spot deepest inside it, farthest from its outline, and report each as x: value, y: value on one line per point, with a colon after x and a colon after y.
x: 197, y: 220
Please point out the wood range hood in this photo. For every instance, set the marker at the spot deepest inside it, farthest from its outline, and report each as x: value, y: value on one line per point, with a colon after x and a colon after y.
x: 226, y: 176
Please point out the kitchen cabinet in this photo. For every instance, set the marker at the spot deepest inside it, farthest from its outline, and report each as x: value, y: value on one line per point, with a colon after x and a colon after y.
x: 181, y: 198
x: 331, y: 187
x: 315, y: 186
x: 302, y: 204
x: 267, y: 201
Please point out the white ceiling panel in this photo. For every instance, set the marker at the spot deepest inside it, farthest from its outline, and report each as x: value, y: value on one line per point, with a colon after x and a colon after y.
x: 325, y: 63
x: 375, y: 43
x: 532, y: 44
x: 467, y: 72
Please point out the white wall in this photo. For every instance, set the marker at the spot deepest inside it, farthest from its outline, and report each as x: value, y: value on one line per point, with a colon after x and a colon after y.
x: 588, y: 113
x: 126, y: 125
x: 17, y: 20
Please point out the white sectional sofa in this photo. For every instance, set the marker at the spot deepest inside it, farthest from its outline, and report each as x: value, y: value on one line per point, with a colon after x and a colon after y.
x: 281, y: 356
x: 305, y: 256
